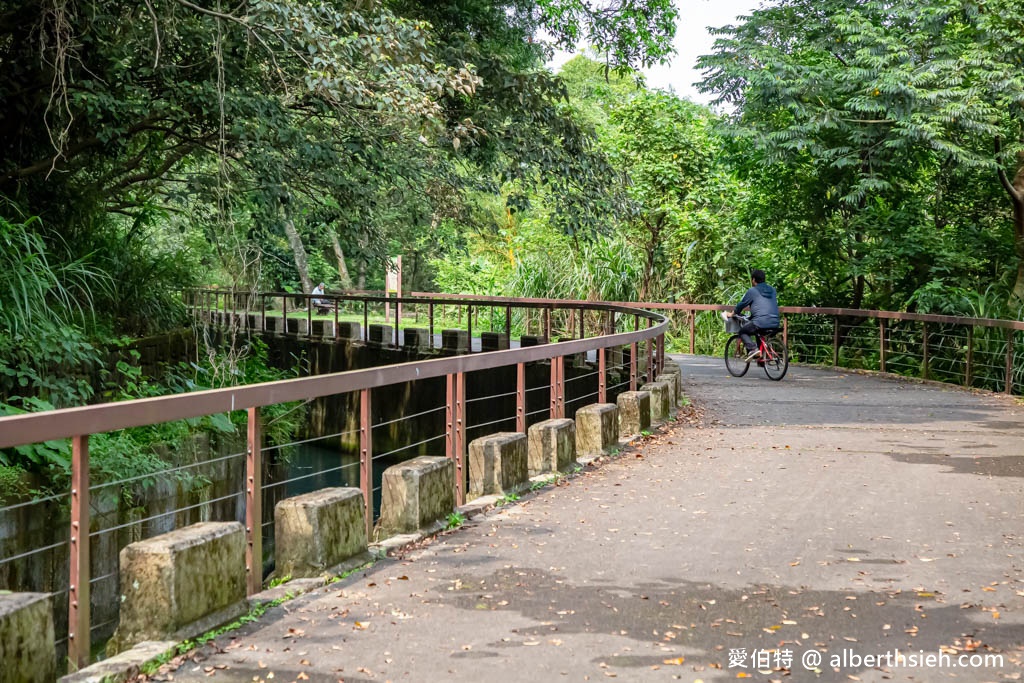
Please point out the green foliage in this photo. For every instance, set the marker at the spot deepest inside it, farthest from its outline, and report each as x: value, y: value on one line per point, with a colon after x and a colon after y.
x: 454, y: 520
x: 868, y: 134
x: 506, y: 499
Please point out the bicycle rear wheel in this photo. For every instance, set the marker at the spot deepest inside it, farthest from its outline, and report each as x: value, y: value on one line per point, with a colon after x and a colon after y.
x: 776, y: 362
x: 735, y: 357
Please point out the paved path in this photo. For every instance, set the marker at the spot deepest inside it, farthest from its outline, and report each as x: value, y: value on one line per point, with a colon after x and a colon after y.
x: 827, y: 512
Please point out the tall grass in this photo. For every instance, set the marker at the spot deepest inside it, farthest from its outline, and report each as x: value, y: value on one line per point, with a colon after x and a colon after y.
x: 35, y: 288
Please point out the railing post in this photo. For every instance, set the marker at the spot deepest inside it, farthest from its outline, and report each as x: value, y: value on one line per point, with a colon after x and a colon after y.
x: 650, y: 354
x: 366, y: 321
x: 263, y: 312
x: 430, y: 315
x: 785, y: 331
x: 970, y: 356
x: 924, y: 347
x: 521, y: 397
x: 469, y: 328
x: 583, y: 332
x: 79, y: 636
x: 634, y: 347
x: 309, y: 316
x: 337, y: 305
x: 547, y: 323
x: 253, y: 505
x: 691, y: 318
x: 602, y: 388
x: 835, y: 341
x: 661, y: 354
x: 366, y: 456
x: 881, y: 345
x: 460, y: 438
x: 508, y: 323
x: 284, y: 314
x: 557, y: 387
x: 1009, y: 361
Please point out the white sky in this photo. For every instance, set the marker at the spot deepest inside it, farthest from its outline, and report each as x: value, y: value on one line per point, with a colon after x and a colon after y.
x: 692, y: 40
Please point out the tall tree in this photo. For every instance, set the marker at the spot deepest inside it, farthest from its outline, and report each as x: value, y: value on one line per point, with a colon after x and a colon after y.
x: 877, y: 96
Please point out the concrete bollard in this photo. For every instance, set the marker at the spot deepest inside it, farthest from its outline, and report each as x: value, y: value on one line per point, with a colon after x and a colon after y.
x: 552, y: 446
x: 323, y: 328
x: 455, y: 341
x: 416, y: 339
x: 597, y: 428
x: 672, y: 368
x: 416, y: 493
x: 181, y: 583
x: 381, y: 335
x: 634, y: 411
x: 660, y: 407
x: 296, y: 326
x: 532, y: 340
x: 26, y: 638
x: 347, y: 330
x: 493, y: 341
x: 497, y: 464
x: 673, y: 388
x: 316, y: 531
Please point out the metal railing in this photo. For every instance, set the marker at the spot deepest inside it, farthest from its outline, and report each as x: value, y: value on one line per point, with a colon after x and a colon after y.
x: 981, y: 353
x: 617, y: 332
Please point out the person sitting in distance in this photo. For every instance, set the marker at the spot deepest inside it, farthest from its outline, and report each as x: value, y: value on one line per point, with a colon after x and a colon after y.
x: 322, y: 305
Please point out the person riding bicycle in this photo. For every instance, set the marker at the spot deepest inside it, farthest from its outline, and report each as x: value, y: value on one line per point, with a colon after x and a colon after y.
x: 764, y: 312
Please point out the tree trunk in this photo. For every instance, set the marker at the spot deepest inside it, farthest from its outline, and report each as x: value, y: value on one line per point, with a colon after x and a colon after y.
x: 299, y: 252
x: 1016, y: 191
x: 1017, y: 197
x: 346, y: 281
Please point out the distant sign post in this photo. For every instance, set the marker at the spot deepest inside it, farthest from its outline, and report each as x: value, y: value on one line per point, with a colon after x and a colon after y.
x: 393, y: 283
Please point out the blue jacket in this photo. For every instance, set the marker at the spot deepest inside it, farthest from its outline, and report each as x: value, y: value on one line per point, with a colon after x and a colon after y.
x: 764, y: 306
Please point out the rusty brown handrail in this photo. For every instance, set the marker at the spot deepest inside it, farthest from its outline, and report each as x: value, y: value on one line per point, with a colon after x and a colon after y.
x: 65, y: 423
x: 78, y: 423
x: 796, y: 310
x: 1010, y: 326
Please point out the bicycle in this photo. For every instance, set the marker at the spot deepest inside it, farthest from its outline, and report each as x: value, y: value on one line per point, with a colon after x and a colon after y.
x: 774, y: 354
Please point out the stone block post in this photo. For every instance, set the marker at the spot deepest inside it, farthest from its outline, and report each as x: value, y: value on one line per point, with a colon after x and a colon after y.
x: 416, y: 339
x: 634, y: 411
x: 381, y: 335
x: 597, y: 428
x: 552, y: 446
x: 493, y: 341
x: 660, y: 406
x: 455, y: 341
x: 497, y: 464
x: 26, y: 638
x: 182, y: 583
x: 351, y: 331
x: 672, y: 368
x: 531, y: 340
x: 673, y: 388
x: 316, y: 531
x: 416, y: 493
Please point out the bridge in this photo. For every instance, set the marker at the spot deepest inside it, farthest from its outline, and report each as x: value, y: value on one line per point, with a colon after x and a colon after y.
x: 846, y: 514
x: 842, y: 514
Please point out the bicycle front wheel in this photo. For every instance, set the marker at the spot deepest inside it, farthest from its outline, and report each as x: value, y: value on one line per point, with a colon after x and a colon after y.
x: 735, y: 356
x: 776, y: 362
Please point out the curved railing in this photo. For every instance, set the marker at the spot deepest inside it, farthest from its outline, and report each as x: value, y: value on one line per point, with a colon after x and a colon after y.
x: 980, y: 353
x: 605, y: 342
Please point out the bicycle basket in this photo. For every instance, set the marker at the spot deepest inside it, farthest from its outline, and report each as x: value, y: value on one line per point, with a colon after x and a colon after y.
x: 732, y: 324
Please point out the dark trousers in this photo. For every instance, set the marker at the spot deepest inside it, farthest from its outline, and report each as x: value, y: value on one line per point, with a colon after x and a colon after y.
x: 745, y: 332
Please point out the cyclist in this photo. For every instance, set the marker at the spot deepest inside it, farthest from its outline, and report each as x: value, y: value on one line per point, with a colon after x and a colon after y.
x: 764, y: 312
